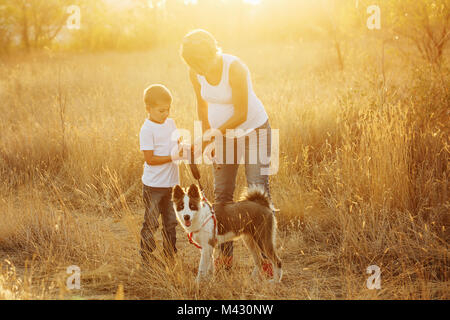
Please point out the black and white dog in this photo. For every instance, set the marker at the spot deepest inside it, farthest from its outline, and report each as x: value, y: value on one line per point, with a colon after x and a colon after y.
x: 250, y: 219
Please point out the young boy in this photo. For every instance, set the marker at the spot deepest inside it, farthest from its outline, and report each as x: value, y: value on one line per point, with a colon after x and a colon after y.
x: 158, y: 139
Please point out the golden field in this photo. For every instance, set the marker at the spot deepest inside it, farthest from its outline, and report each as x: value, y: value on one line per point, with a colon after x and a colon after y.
x: 363, y: 177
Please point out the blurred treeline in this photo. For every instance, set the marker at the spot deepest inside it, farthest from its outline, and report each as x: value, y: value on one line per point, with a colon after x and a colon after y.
x: 143, y: 24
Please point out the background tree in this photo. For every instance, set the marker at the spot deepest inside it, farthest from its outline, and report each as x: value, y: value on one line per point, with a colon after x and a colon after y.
x: 35, y: 23
x: 6, y: 27
x: 425, y: 23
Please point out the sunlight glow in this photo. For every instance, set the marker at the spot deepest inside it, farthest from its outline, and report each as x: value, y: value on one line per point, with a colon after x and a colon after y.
x: 188, y: 2
x: 253, y: 2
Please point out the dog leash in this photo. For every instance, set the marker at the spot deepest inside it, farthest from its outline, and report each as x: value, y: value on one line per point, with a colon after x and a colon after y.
x: 212, y: 216
x: 190, y: 235
x: 196, y: 174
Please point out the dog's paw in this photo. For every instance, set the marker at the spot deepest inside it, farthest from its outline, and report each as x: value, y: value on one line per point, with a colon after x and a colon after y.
x: 211, y: 270
x: 274, y: 282
x: 256, y: 274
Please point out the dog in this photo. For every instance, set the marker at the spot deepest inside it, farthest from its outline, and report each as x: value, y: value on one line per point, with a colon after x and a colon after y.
x: 251, y: 219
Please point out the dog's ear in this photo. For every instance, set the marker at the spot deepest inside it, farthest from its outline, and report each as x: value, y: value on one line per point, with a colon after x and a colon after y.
x: 177, y: 192
x: 194, y: 192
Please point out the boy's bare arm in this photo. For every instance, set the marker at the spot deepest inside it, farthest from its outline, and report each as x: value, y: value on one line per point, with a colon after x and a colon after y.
x: 153, y: 160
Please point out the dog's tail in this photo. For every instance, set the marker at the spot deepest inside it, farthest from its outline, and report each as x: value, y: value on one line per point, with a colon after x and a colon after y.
x: 258, y: 194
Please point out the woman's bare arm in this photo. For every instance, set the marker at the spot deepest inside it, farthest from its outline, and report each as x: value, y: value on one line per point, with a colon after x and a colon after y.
x: 239, y: 86
x: 202, y: 105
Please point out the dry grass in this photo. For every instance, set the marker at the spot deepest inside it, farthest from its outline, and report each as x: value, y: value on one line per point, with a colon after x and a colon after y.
x: 363, y: 176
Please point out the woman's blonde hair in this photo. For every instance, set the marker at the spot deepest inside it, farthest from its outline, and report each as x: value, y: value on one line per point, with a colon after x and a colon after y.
x: 199, y: 44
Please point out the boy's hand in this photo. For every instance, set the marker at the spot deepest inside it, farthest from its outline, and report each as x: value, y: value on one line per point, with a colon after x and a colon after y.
x: 181, y: 152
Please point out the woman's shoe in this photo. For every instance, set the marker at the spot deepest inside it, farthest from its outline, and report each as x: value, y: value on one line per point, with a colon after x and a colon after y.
x: 267, y: 268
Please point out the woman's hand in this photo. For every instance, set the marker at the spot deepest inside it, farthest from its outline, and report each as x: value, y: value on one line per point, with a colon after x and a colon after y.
x: 199, y: 147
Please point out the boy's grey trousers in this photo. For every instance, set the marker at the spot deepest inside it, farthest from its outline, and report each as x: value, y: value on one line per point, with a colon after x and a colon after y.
x: 157, y: 202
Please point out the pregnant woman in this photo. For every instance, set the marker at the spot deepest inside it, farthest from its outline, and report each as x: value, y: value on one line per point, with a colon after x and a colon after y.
x: 225, y: 100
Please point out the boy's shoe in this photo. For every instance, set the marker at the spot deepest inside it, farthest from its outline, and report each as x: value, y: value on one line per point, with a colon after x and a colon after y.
x: 267, y: 269
x: 223, y: 262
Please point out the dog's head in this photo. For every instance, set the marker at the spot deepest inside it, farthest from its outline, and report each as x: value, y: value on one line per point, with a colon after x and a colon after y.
x: 187, y: 205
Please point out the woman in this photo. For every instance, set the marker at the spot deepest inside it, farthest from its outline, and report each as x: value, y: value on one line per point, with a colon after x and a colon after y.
x: 226, y: 100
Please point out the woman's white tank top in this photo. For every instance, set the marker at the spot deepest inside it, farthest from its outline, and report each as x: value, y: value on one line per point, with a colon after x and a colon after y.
x: 220, y: 100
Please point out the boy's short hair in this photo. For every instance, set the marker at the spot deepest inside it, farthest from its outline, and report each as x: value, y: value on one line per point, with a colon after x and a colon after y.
x: 156, y: 95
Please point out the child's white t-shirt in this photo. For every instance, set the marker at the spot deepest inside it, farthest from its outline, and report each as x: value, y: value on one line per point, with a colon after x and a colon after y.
x: 162, y: 139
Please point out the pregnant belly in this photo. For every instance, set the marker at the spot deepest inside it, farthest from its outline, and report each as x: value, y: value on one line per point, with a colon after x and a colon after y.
x: 218, y: 114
